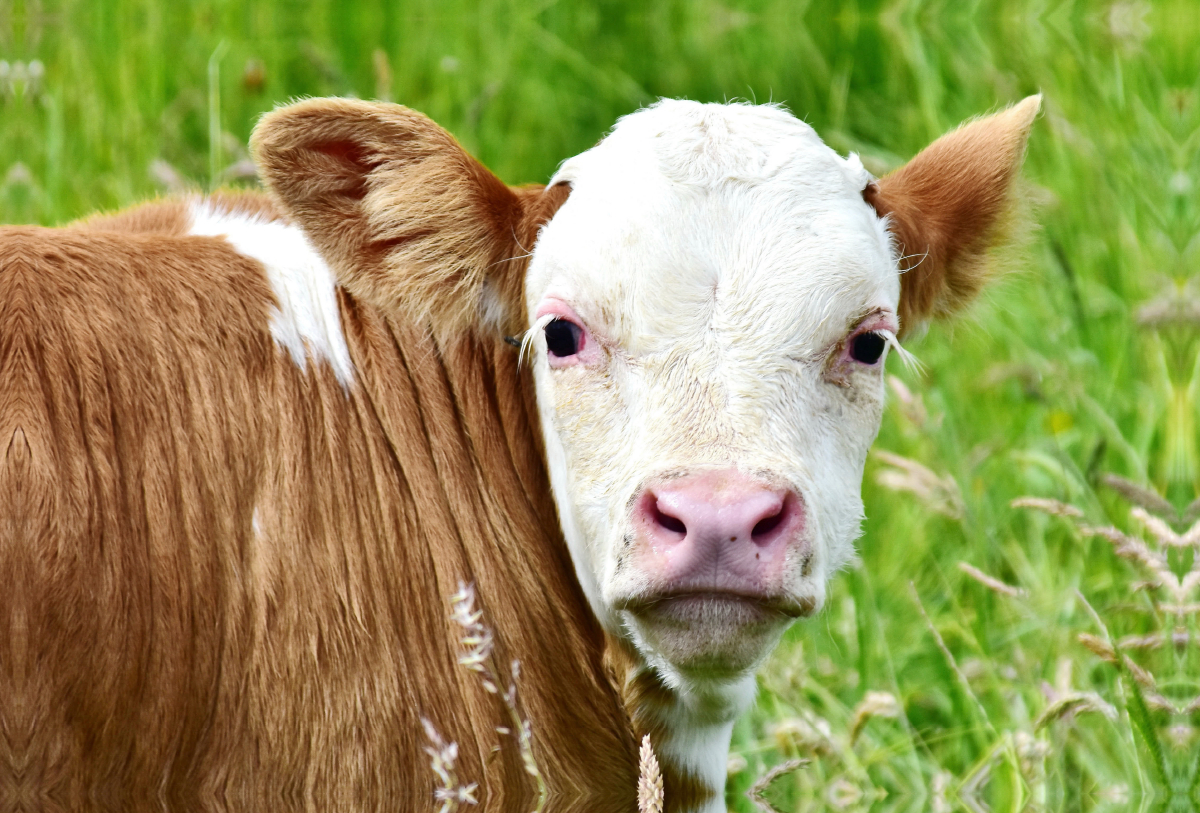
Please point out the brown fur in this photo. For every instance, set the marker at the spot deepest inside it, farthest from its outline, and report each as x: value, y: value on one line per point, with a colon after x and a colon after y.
x: 156, y: 651
x: 949, y: 205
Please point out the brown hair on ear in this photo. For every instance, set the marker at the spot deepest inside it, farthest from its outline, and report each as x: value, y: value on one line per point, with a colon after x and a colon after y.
x: 407, y: 219
x: 949, y: 205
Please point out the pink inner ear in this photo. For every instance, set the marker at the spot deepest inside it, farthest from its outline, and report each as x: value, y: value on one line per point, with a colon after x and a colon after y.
x: 346, y: 151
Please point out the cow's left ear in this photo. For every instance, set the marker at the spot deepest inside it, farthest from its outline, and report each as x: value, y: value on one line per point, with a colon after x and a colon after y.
x: 949, y: 206
x: 409, y: 221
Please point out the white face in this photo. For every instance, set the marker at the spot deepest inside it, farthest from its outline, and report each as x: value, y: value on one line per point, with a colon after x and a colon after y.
x: 711, y: 309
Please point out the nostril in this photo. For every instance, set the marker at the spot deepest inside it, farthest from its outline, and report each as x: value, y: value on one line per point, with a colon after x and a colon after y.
x: 665, y: 520
x: 774, y: 520
x: 766, y: 525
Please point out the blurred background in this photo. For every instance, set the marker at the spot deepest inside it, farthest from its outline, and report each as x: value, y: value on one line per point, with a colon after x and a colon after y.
x: 1022, y: 630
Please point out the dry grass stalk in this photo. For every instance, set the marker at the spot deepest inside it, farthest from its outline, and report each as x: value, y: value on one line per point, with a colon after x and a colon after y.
x: 1139, y: 496
x: 1154, y: 503
x: 1108, y: 654
x: 1068, y: 705
x: 940, y: 494
x: 1157, y: 702
x: 1151, y: 554
x: 1127, y: 547
x: 1052, y: 507
x: 1177, y: 307
x: 842, y: 793
x: 990, y: 582
x: 442, y: 756
x: 1151, y: 641
x: 1192, y: 512
x: 962, y: 678
x: 1164, y: 533
x: 813, y: 734
x: 1179, y: 638
x: 1031, y: 755
x: 873, y: 704
x: 911, y: 404
x: 1098, y: 646
x: 939, y: 791
x: 1066, y: 701
x: 478, y: 643
x: 650, y: 781
x: 756, y: 791
x: 1180, y: 589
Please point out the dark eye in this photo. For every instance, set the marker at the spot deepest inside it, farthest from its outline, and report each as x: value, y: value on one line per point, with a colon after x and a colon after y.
x: 867, y: 347
x: 563, y: 338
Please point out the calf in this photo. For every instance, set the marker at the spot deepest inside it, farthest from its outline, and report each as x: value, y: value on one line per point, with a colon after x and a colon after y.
x: 251, y: 446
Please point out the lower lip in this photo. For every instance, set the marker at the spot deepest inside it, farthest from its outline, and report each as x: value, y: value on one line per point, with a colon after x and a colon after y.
x: 699, y: 607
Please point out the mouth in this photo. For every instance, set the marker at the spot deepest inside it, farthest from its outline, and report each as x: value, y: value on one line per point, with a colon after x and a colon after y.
x: 710, y: 633
x: 687, y: 606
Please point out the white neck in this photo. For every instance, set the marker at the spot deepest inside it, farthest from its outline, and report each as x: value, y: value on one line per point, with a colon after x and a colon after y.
x: 699, y: 725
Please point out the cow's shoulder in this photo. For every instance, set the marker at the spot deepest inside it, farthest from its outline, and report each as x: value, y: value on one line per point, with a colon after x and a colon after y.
x: 233, y: 252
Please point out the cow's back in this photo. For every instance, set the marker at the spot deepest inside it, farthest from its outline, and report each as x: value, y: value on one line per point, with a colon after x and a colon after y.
x: 230, y: 569
x: 131, y: 426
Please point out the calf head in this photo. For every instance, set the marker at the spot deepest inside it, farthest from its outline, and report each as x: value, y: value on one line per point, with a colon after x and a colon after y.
x: 711, y: 310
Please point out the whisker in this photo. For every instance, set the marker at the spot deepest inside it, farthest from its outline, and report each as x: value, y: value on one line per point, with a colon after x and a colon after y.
x: 517, y: 240
x: 910, y: 361
x: 510, y: 259
x: 923, y: 257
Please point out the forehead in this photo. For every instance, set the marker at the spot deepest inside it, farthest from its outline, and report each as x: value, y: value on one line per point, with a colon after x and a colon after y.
x: 685, y: 208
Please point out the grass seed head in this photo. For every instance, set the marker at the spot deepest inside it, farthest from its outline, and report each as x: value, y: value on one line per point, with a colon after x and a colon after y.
x: 650, y: 781
x: 940, y: 494
x: 756, y: 791
x: 442, y: 758
x: 1052, y: 507
x: 990, y: 582
x: 873, y: 704
x: 799, y: 735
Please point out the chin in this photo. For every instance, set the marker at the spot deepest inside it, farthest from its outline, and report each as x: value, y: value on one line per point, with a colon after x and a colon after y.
x: 709, y: 636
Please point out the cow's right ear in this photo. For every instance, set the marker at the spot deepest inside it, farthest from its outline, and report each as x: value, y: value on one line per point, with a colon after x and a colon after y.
x: 407, y: 219
x: 949, y: 206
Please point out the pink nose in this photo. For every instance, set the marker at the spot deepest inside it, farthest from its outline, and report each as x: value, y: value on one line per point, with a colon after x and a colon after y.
x: 717, y: 531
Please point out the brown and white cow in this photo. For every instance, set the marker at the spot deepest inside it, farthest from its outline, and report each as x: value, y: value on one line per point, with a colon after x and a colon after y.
x: 249, y: 446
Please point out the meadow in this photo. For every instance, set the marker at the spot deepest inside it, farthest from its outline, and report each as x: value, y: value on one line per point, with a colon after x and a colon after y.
x: 980, y: 654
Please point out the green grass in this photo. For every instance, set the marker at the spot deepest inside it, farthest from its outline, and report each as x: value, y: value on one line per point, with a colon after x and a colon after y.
x: 1052, y: 382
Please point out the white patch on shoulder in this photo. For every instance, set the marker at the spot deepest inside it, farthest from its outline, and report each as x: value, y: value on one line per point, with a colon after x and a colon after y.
x: 306, y: 321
